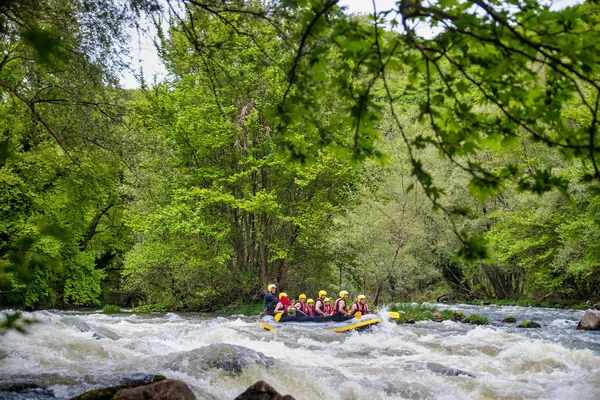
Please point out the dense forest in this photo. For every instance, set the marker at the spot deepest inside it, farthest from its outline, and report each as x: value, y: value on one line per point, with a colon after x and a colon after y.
x: 295, y: 143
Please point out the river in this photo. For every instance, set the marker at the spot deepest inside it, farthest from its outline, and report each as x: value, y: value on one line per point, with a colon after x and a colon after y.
x: 72, y: 352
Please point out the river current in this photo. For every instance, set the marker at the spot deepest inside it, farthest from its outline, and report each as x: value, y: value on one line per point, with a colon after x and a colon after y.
x: 220, y: 356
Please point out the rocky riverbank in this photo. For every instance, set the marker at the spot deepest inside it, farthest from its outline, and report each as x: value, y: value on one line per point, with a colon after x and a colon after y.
x: 148, y: 388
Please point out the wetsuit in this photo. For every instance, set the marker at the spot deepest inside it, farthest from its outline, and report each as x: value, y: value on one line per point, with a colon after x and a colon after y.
x: 270, y: 303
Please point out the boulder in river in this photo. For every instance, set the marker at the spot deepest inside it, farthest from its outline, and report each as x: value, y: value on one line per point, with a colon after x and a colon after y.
x: 261, y: 390
x: 590, y: 321
x: 24, y: 390
x: 509, y: 320
x: 447, y: 371
x: 170, y: 389
x: 227, y: 357
x: 109, y: 393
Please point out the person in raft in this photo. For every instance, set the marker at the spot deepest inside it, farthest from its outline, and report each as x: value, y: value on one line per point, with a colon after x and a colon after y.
x: 322, y: 312
x: 311, y: 308
x: 271, y: 299
x: 285, y: 307
x: 327, y: 306
x: 340, y: 311
x: 303, y: 313
x: 360, y: 305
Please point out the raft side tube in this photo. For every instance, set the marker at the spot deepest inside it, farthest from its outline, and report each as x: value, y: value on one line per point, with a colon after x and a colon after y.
x: 268, y: 322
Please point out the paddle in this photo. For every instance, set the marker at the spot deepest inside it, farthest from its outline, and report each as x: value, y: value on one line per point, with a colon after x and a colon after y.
x: 394, y: 314
x: 357, y: 315
x: 278, y: 316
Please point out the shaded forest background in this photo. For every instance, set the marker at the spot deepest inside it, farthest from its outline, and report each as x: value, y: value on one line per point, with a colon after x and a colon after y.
x: 292, y: 143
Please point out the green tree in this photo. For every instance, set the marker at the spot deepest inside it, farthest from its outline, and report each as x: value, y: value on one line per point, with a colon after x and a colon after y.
x: 219, y: 211
x: 62, y: 150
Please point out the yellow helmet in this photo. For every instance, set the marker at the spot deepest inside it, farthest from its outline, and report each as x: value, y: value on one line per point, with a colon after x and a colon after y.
x: 327, y: 300
x: 343, y: 293
x: 271, y: 286
x: 302, y: 296
x: 282, y: 295
x: 309, y: 301
x: 322, y: 293
x: 360, y: 297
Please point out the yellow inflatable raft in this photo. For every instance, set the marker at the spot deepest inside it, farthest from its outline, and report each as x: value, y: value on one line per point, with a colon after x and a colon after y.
x: 366, y: 321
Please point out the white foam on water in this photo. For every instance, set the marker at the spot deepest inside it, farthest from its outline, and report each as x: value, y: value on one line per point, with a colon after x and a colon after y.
x: 391, y: 362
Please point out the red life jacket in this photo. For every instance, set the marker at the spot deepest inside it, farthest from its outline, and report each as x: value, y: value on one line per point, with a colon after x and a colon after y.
x: 286, y: 303
x: 304, y: 308
x: 362, y: 308
x: 336, y: 306
x: 311, y: 311
x: 327, y: 308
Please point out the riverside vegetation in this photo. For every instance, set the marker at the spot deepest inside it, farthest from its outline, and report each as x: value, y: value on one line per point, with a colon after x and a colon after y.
x: 293, y: 142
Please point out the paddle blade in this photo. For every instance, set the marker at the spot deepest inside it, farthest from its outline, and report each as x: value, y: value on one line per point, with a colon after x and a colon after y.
x: 394, y: 314
x: 278, y: 316
x: 357, y: 315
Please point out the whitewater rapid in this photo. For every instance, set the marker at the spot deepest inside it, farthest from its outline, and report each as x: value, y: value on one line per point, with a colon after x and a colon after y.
x: 72, y: 352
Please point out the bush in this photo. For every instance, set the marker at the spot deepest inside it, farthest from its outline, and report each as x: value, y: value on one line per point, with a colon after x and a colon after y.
x: 476, y: 319
x: 157, y: 307
x: 109, y: 309
x: 452, y: 315
x: 529, y: 324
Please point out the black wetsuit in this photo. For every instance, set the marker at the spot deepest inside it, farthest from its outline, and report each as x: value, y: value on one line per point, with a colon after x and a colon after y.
x: 270, y: 303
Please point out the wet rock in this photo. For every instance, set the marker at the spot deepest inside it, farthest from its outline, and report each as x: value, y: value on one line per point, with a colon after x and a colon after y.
x: 261, y: 390
x: 126, y: 383
x: 76, y: 323
x: 18, y: 386
x: 104, y: 333
x: 170, y: 389
x: 28, y: 394
x: 227, y: 357
x: 509, y: 320
x: 441, y: 369
x: 25, y: 390
x: 590, y: 321
x: 436, y: 316
x: 529, y: 324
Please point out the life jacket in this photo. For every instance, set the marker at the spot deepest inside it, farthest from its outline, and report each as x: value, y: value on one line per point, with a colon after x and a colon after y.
x: 361, y: 307
x: 311, y: 311
x: 336, y: 306
x: 284, y: 308
x: 304, y: 308
x: 327, y: 308
x: 322, y: 306
x: 286, y: 303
